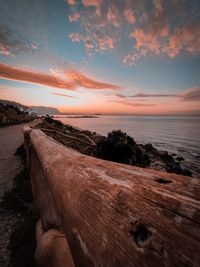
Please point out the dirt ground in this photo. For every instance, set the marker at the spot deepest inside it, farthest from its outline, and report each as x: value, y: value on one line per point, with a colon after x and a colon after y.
x: 10, y: 166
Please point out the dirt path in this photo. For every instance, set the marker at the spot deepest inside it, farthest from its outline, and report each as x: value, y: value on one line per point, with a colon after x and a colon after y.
x: 10, y: 165
x: 10, y: 139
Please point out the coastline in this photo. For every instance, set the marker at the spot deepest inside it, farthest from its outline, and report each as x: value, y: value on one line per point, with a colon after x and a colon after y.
x: 158, y: 159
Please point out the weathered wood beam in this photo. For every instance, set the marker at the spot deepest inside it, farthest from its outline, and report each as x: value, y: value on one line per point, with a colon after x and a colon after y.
x: 114, y: 214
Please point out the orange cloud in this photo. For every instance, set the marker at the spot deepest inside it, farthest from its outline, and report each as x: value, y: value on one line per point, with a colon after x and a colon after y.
x: 69, y: 81
x: 84, y: 81
x: 12, y: 73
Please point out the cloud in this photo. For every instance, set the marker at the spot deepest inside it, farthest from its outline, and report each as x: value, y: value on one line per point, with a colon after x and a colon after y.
x: 143, y: 95
x: 186, y: 37
x: 12, y: 73
x: 70, y: 80
x: 11, y: 45
x: 64, y: 95
x: 76, y: 37
x: 113, y: 15
x: 94, y: 3
x: 129, y: 16
x: 71, y: 2
x: 74, y: 17
x: 138, y: 29
x: 132, y: 104
x: 192, y: 94
x: 87, y: 82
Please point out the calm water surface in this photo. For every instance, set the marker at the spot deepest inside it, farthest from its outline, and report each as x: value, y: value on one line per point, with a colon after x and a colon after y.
x: 179, y: 135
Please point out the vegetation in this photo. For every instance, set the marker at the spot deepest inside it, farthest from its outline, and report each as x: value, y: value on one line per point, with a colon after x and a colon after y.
x: 120, y: 147
x: 10, y: 115
x: 50, y: 120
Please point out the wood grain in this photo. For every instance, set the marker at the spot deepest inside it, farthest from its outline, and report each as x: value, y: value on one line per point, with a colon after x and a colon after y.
x: 114, y: 214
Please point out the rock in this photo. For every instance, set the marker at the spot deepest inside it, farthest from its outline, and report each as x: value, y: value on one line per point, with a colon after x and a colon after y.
x: 162, y: 153
x: 149, y: 147
x: 67, y: 131
x: 157, y: 165
x: 180, y: 158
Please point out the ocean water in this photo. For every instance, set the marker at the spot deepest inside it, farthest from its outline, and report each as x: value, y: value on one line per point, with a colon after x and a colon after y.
x: 179, y: 135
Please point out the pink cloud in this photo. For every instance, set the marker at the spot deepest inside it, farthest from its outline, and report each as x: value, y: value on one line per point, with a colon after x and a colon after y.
x: 191, y: 94
x: 132, y: 104
x: 88, y: 43
x: 4, y: 50
x: 95, y: 3
x: 113, y: 16
x: 166, y: 29
x: 129, y: 16
x: 71, y: 2
x: 145, y: 95
x: 74, y: 17
x: 185, y: 37
x: 76, y: 37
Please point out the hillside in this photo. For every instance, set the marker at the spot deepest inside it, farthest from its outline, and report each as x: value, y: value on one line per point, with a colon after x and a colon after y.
x: 40, y: 110
x: 10, y: 115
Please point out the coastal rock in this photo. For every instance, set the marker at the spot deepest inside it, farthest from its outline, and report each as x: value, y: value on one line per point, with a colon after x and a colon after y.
x: 117, y: 147
x: 180, y: 158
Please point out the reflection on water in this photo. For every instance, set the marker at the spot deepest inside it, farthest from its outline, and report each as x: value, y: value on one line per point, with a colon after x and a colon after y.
x: 179, y: 135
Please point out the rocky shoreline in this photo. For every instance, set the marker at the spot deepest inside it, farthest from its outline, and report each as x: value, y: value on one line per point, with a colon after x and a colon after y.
x: 117, y: 146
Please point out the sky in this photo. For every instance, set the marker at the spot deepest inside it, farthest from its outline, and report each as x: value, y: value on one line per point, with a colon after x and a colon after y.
x: 100, y: 56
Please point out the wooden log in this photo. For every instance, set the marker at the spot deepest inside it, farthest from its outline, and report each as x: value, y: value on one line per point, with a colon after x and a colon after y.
x: 118, y: 215
x: 52, y: 249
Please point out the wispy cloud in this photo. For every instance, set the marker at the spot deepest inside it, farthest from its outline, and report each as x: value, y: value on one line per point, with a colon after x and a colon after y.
x: 10, y: 44
x: 192, y: 94
x: 144, y: 95
x: 132, y: 104
x: 64, y: 95
x: 70, y: 80
x: 82, y: 80
x: 71, y: 2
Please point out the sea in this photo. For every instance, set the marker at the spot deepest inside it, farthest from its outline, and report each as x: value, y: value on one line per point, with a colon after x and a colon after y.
x: 176, y: 134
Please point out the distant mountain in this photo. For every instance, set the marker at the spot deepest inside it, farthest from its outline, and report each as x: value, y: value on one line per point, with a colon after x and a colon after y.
x: 40, y: 110
x: 45, y: 110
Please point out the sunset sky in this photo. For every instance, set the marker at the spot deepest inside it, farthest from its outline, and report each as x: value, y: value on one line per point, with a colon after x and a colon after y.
x: 97, y: 56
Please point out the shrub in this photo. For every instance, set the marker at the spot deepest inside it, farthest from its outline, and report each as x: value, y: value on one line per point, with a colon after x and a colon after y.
x: 120, y: 147
x: 50, y: 120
